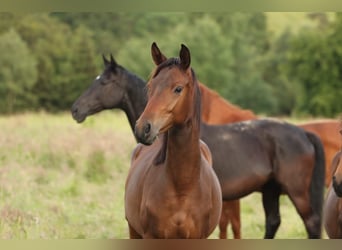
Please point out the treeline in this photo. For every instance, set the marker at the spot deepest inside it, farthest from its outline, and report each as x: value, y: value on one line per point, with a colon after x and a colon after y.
x: 48, y: 59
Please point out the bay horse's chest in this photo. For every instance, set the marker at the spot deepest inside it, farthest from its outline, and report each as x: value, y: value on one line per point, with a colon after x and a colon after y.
x: 174, y: 217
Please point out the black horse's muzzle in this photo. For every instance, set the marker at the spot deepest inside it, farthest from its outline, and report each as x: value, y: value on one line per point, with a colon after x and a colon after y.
x: 77, y: 115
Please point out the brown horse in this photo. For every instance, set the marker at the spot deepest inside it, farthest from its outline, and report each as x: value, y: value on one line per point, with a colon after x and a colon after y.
x: 332, y: 216
x: 171, y: 189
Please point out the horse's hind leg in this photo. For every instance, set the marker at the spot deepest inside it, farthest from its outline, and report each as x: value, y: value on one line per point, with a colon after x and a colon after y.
x: 270, y: 200
x: 234, y: 216
x: 224, y: 221
x: 312, y: 221
x: 230, y: 213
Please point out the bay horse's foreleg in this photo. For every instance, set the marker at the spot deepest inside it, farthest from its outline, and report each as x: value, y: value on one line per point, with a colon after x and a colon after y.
x: 270, y: 200
x: 133, y: 234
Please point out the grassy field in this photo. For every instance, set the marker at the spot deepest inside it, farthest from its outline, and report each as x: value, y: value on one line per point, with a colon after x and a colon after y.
x: 60, y: 179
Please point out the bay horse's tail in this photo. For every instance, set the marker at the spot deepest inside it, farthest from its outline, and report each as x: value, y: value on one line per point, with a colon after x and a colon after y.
x: 318, y: 176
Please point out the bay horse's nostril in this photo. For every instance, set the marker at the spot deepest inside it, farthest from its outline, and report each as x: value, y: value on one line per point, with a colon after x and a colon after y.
x: 147, y: 128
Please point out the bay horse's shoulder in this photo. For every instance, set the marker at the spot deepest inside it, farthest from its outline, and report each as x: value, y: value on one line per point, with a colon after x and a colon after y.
x: 206, y: 152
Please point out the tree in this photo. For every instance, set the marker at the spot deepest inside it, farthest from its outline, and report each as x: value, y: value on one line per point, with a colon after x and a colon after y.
x: 314, y: 60
x: 286, y: 92
x: 17, y: 73
x: 250, y: 42
x: 66, y: 59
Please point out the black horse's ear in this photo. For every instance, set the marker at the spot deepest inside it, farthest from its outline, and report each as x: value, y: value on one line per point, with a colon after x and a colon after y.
x: 184, y: 56
x: 105, y: 60
x: 113, y: 63
x: 157, y: 56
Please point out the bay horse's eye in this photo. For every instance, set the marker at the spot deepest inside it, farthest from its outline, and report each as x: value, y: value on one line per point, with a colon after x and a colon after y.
x: 341, y: 131
x: 178, y: 89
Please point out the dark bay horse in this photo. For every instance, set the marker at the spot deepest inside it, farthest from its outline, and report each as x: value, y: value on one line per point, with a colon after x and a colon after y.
x: 274, y: 158
x: 172, y: 190
x: 116, y: 87
x: 333, y: 201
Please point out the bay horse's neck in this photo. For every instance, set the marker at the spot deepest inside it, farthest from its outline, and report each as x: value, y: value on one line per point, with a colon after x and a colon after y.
x: 183, y: 155
x: 135, y: 97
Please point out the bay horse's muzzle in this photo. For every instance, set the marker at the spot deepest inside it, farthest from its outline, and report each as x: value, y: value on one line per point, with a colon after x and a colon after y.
x: 337, y: 186
x: 144, y: 133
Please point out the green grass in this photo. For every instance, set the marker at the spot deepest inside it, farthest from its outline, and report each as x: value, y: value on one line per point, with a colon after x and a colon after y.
x: 60, y: 179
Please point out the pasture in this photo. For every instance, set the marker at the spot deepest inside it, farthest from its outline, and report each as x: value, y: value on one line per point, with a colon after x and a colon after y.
x: 60, y: 179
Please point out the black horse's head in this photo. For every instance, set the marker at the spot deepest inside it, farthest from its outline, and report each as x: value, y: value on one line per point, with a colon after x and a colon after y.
x: 106, y: 92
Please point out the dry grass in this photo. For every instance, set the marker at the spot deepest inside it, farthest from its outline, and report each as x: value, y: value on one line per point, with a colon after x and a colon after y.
x: 60, y: 179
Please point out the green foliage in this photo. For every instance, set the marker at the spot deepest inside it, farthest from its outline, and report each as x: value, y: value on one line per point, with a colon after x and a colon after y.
x: 286, y: 92
x: 66, y: 60
x: 17, y: 73
x: 272, y: 63
x: 53, y: 52
x: 314, y: 61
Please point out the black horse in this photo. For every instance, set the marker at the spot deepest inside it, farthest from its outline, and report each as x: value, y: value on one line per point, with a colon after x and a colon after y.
x: 268, y: 156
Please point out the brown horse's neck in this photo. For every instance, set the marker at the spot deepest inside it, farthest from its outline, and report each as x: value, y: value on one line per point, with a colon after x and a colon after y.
x: 183, y: 155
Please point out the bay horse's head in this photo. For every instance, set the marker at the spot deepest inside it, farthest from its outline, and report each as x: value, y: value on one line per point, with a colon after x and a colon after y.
x: 337, y: 172
x: 105, y: 92
x: 171, y: 91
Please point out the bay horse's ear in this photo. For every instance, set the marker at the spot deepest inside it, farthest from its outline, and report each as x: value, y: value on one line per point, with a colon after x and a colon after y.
x: 157, y: 56
x: 105, y: 60
x: 184, y: 56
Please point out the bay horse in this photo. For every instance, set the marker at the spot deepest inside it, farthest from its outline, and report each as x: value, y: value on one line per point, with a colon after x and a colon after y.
x: 172, y: 190
x: 118, y: 88
x: 333, y: 202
